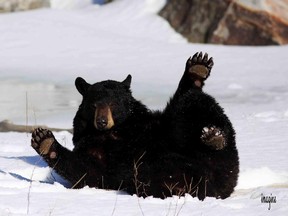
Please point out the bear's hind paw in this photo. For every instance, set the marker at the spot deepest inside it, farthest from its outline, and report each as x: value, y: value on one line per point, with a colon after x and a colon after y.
x: 43, y: 142
x: 213, y: 137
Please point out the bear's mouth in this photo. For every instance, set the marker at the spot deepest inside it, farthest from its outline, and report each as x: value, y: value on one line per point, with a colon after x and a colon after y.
x: 103, y: 119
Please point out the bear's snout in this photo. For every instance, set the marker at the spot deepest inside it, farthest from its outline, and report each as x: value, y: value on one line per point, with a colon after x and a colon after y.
x: 101, y: 122
x: 103, y: 117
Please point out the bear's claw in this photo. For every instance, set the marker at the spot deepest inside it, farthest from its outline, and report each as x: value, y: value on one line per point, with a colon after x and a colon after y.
x: 213, y: 137
x: 199, y: 68
x: 43, y: 142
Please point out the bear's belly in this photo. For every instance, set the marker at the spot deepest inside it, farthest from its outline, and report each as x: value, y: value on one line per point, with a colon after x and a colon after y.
x: 97, y: 153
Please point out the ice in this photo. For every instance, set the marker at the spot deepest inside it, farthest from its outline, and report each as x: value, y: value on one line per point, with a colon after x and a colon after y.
x: 252, y: 178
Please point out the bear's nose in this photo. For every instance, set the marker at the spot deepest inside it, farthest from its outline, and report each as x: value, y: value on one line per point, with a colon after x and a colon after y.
x: 103, y: 119
x: 101, y: 123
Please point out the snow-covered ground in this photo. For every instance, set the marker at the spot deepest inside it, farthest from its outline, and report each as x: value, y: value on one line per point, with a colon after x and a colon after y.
x: 43, y: 51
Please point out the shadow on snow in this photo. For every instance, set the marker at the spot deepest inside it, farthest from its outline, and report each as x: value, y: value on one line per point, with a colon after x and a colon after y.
x: 37, y: 161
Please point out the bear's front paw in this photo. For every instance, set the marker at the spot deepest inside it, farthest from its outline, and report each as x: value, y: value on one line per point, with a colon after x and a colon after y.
x: 44, y: 143
x: 199, y: 67
x: 213, y: 137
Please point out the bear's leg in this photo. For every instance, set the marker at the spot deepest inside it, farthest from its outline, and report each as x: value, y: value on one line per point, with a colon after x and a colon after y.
x: 213, y: 137
x: 197, y: 70
x: 65, y: 162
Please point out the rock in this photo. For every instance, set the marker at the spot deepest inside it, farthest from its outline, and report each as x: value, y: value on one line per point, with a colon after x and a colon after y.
x: 69, y: 4
x: 101, y: 2
x: 21, y: 5
x: 8, y: 126
x: 253, y: 23
x: 195, y: 19
x: 238, y: 22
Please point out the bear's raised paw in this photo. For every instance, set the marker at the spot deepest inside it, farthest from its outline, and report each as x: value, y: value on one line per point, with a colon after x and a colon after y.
x: 199, y: 67
x: 43, y: 142
x: 213, y: 137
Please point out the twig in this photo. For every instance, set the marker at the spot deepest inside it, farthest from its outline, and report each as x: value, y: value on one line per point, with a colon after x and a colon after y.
x: 30, y: 186
x: 26, y: 110
x: 115, y: 203
x: 29, y: 191
x: 137, y: 183
x: 181, y: 207
x: 31, y: 177
x: 78, y: 181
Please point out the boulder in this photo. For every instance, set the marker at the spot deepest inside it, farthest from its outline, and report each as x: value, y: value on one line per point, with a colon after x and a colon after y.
x: 230, y: 22
x: 101, y: 2
x: 21, y: 5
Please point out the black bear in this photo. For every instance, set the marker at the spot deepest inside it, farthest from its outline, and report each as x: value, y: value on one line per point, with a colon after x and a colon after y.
x: 120, y: 144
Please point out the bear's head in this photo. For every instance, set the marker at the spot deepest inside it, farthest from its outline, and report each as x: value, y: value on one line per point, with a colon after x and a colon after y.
x: 105, y: 104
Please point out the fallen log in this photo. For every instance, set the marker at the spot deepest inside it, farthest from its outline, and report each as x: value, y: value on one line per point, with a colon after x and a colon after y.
x: 8, y: 126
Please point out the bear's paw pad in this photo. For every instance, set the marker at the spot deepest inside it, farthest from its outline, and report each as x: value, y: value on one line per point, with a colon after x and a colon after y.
x: 213, y: 137
x: 42, y: 141
x: 199, y: 66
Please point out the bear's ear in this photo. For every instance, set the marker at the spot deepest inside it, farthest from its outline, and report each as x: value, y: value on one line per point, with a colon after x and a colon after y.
x: 127, y: 81
x: 81, y: 85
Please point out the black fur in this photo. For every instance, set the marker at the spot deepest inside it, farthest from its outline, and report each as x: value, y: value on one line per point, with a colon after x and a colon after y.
x: 145, y: 152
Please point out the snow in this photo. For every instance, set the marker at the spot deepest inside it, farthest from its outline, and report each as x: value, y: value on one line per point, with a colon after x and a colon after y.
x: 43, y: 51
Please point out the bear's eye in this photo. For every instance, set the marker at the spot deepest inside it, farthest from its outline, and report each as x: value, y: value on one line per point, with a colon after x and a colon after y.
x: 111, y: 105
x: 93, y: 106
